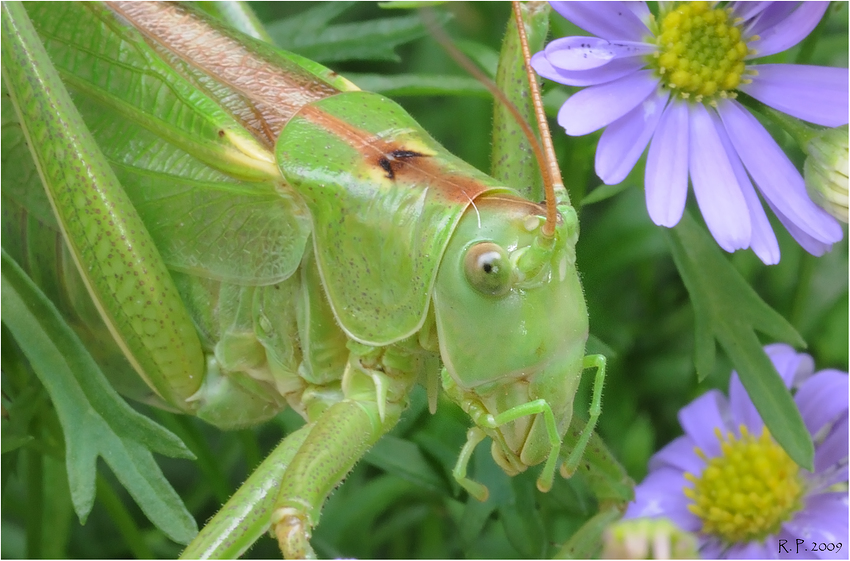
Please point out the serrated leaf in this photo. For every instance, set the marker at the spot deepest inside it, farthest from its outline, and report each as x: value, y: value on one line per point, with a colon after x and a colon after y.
x: 309, y: 34
x: 96, y: 421
x: 726, y: 308
x: 308, y: 22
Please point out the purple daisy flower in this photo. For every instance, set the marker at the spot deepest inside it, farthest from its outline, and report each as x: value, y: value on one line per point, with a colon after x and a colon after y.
x: 731, y: 484
x: 674, y: 81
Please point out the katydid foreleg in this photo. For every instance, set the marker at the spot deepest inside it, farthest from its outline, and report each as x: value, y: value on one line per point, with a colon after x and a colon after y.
x: 598, y: 362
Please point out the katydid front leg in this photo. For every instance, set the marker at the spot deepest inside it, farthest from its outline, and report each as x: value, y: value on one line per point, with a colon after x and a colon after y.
x: 375, y: 396
x: 598, y: 362
x: 486, y: 423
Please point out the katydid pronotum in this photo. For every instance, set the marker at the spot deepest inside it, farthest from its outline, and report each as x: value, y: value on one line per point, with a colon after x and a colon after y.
x: 355, y: 253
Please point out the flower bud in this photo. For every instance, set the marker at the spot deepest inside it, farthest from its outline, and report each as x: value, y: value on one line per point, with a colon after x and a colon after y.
x: 648, y: 538
x: 825, y: 171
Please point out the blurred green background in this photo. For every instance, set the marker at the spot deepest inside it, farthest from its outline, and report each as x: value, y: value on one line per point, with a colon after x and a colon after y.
x: 401, y: 501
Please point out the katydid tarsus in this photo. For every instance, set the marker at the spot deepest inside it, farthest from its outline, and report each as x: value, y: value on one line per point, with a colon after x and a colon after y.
x: 351, y: 251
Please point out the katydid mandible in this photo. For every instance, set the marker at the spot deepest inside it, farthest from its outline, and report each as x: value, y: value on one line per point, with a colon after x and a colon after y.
x: 357, y: 249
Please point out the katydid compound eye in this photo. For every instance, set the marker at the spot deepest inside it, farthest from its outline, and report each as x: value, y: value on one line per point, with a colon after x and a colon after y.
x: 488, y: 269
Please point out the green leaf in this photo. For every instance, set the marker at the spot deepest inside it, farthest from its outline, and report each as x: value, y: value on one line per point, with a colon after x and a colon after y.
x: 603, y: 192
x: 521, y: 518
x: 418, y: 84
x: 404, y: 459
x: 122, y: 519
x: 20, y: 410
x: 13, y: 442
x: 95, y: 419
x: 729, y: 310
x: 599, y: 469
x: 476, y: 513
x: 309, y: 34
x: 483, y: 56
x: 299, y: 27
x: 408, y: 5
x: 512, y: 158
x: 585, y: 542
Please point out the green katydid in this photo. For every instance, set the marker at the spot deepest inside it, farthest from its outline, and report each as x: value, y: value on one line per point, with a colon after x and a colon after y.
x: 356, y: 251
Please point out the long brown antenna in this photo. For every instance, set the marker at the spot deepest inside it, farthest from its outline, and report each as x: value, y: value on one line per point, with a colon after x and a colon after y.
x: 550, y: 178
x: 549, y: 165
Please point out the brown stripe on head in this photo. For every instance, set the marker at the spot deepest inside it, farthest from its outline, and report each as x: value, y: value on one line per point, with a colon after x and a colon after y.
x: 410, y: 161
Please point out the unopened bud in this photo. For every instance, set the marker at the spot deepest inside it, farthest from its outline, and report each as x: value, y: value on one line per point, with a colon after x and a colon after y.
x: 648, y: 538
x: 825, y: 171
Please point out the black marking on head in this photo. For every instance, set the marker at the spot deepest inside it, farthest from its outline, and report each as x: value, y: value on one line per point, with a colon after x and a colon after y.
x: 391, y: 161
x: 387, y: 167
x: 405, y: 154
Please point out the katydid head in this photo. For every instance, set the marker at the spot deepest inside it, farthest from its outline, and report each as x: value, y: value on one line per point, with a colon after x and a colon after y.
x: 517, y: 298
x: 512, y: 323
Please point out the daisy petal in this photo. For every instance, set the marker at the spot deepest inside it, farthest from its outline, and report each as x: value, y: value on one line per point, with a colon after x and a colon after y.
x: 700, y: 418
x: 789, y: 31
x: 748, y: 10
x: 624, y: 140
x: 823, y: 520
x: 817, y: 94
x: 667, y: 166
x: 763, y: 240
x: 595, y: 107
x: 609, y: 20
x: 543, y: 67
x: 774, y: 174
x: 660, y: 494
x: 617, y: 68
x: 742, y: 408
x: 640, y: 9
x: 585, y: 53
x: 771, y: 15
x: 822, y: 399
x: 711, y: 548
x: 680, y: 455
x: 807, y: 242
x: 831, y: 455
x: 790, y: 364
x: 751, y: 550
x: 719, y: 197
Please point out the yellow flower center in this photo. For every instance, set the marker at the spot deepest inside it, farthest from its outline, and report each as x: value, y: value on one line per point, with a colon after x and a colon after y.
x: 701, y: 52
x: 748, y: 491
